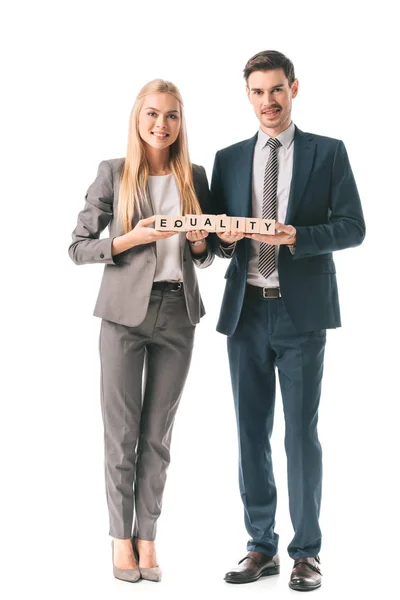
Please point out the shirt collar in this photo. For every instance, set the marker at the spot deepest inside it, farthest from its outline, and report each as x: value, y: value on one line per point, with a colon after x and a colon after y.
x: 285, y: 138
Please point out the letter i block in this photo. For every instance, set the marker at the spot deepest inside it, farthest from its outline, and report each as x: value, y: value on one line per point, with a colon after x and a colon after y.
x: 252, y: 225
x: 207, y: 222
x: 161, y: 223
x: 192, y: 222
x: 223, y: 224
x: 177, y: 223
x: 267, y: 226
x: 238, y: 224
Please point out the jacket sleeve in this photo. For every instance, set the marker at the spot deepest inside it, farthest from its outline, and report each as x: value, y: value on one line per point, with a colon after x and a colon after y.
x: 346, y: 226
x: 86, y: 247
x: 204, y: 260
x: 219, y: 208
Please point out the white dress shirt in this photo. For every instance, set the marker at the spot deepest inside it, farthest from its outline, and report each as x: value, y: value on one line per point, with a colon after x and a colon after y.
x: 285, y: 170
x: 165, y: 199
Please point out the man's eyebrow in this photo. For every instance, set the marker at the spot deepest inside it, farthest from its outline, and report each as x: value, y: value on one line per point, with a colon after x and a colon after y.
x: 274, y: 87
x: 157, y: 110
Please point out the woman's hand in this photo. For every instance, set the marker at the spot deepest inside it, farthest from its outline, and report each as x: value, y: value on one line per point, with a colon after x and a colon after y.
x: 197, y: 235
x: 140, y: 234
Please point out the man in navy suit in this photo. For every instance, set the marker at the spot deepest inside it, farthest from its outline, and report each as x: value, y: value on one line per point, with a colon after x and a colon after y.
x: 280, y: 297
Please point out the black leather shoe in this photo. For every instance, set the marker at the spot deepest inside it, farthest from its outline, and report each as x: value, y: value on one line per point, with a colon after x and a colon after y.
x: 253, y: 566
x: 306, y: 574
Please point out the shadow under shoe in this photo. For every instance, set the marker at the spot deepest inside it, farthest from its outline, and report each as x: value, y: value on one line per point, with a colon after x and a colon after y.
x: 129, y: 575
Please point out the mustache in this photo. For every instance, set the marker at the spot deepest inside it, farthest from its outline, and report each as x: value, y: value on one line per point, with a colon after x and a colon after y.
x: 271, y: 107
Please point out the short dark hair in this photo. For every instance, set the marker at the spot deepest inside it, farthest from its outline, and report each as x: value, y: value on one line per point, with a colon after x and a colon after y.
x: 268, y: 60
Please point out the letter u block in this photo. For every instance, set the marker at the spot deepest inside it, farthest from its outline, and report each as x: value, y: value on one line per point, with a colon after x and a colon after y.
x: 192, y: 222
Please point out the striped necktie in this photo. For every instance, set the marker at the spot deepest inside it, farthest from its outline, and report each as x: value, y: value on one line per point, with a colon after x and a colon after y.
x: 266, y: 261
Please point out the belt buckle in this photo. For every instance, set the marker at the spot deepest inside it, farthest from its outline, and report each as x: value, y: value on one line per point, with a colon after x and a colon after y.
x: 179, y: 284
x: 267, y: 295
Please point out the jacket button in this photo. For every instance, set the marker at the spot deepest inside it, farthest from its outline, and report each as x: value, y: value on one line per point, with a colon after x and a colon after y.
x: 101, y: 255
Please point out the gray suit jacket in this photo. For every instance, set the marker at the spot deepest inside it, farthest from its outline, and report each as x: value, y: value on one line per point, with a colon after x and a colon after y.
x: 128, y: 277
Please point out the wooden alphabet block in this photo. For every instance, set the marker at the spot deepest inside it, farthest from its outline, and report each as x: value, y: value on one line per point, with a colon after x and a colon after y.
x: 192, y: 222
x: 223, y: 224
x: 161, y: 222
x: 238, y: 224
x: 252, y: 225
x: 267, y: 226
x: 177, y: 223
x: 207, y: 222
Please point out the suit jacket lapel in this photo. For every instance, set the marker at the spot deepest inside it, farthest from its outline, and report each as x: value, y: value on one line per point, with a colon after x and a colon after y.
x: 244, y: 173
x: 303, y: 158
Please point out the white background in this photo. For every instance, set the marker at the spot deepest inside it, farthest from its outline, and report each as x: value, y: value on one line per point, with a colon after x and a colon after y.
x: 71, y: 71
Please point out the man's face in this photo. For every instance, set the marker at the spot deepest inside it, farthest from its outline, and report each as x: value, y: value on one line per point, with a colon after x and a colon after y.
x: 271, y: 96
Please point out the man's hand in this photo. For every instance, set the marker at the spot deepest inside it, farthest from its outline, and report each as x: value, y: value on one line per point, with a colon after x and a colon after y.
x: 284, y: 235
x: 229, y: 237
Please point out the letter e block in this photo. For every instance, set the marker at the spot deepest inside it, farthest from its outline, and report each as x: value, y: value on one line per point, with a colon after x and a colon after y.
x: 161, y: 223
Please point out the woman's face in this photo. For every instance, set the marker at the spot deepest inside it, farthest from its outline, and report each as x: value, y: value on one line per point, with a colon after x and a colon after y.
x: 160, y: 120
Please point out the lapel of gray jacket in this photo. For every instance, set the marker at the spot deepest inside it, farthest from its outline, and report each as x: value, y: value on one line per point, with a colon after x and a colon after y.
x: 303, y: 158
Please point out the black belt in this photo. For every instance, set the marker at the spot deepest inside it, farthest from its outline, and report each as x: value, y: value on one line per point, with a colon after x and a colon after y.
x: 263, y: 292
x: 167, y: 286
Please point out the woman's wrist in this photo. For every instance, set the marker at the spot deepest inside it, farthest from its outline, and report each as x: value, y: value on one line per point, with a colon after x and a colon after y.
x: 198, y: 246
x: 122, y: 243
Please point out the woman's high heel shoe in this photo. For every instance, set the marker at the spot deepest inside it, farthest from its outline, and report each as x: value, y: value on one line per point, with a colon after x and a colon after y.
x: 130, y: 575
x: 149, y: 573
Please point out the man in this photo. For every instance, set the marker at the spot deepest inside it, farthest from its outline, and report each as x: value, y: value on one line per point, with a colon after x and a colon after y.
x: 280, y: 297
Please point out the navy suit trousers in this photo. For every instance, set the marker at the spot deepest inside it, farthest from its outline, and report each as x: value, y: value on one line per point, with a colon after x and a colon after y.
x: 265, y: 339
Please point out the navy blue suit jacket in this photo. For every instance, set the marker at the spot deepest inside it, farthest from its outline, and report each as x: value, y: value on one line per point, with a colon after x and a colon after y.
x: 325, y: 208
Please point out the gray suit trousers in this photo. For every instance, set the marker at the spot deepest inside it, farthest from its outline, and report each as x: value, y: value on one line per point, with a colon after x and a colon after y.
x: 143, y: 372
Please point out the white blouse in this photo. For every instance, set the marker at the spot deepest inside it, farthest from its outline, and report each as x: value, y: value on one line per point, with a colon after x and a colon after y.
x: 165, y: 200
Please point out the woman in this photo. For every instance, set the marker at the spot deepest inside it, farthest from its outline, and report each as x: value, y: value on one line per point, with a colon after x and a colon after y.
x: 149, y: 303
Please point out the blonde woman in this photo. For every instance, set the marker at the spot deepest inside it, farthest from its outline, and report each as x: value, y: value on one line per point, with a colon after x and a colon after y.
x: 149, y: 303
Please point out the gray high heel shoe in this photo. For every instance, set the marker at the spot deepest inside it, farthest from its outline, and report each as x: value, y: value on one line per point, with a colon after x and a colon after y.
x: 149, y: 573
x: 130, y: 575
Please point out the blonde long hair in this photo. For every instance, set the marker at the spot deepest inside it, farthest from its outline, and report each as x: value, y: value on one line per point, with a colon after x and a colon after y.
x: 136, y: 169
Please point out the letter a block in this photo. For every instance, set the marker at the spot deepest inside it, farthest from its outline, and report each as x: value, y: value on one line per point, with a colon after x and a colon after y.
x: 207, y: 222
